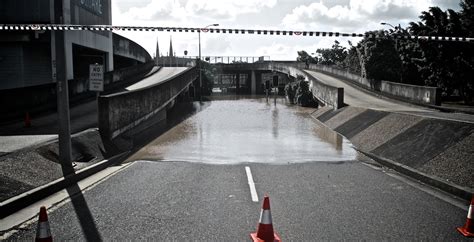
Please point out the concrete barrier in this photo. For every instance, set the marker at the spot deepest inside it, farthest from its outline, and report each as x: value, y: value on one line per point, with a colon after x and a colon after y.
x: 124, y: 111
x: 426, y: 95
x: 404, y: 92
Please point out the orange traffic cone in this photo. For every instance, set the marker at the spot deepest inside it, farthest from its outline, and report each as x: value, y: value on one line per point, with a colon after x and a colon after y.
x: 27, y: 120
x: 468, y: 229
x: 43, y: 233
x: 265, y: 227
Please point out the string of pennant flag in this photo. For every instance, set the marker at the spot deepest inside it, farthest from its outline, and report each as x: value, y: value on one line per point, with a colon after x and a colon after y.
x: 57, y: 27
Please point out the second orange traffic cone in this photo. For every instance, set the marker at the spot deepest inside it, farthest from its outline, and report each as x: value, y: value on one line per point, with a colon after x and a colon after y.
x: 43, y: 233
x: 265, y: 227
x: 468, y: 228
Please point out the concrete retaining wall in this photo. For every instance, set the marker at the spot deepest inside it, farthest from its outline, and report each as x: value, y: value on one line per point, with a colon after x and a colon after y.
x: 412, y: 93
x: 124, y: 111
x: 439, y: 148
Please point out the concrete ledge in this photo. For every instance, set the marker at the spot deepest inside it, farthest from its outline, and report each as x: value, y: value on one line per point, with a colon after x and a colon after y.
x: 16, y: 203
x: 462, y: 192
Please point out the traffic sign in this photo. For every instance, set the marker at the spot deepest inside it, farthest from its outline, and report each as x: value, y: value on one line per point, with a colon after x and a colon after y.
x: 96, y: 77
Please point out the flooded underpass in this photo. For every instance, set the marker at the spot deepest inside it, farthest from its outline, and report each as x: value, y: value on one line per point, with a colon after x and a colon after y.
x: 249, y: 131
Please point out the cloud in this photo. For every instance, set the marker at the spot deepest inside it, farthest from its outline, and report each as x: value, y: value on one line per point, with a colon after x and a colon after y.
x: 319, y: 15
x: 158, y: 10
x: 184, y: 10
x: 226, y: 9
x: 217, y: 45
x: 353, y: 14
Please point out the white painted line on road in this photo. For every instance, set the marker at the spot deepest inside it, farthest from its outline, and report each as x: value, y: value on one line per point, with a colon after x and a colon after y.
x: 253, y: 191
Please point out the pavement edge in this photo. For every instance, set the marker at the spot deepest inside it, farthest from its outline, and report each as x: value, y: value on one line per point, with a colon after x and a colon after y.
x: 16, y: 203
x: 459, y: 191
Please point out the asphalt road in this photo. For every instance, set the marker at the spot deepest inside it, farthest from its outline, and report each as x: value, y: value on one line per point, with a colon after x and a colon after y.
x: 347, y: 197
x: 313, y: 201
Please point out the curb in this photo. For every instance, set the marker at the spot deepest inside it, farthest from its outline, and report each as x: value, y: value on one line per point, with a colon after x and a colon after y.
x: 461, y: 192
x: 16, y: 203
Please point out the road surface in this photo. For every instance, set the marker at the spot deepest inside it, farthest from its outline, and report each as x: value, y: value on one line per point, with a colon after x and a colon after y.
x: 195, y: 183
x: 163, y: 74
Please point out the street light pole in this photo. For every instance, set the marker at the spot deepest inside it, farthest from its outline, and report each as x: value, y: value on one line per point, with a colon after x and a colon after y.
x: 396, y: 30
x: 200, y: 76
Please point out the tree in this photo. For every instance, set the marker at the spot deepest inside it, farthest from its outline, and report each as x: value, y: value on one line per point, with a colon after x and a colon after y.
x: 448, y: 65
x: 332, y: 56
x: 209, y: 74
x: 303, y: 56
x: 378, y: 57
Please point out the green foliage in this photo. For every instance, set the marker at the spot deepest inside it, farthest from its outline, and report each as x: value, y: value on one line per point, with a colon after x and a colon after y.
x: 332, y: 56
x: 298, y: 92
x: 303, y: 56
x: 448, y: 65
x: 209, y: 73
x: 381, y: 59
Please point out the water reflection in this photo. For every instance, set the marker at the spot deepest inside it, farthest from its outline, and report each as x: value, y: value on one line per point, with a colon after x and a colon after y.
x: 249, y: 130
x: 328, y: 135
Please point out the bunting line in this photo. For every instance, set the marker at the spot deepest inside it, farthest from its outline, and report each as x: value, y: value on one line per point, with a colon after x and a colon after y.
x: 58, y: 27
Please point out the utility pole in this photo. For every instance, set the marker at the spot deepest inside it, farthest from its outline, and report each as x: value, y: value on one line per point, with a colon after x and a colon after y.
x: 64, y: 132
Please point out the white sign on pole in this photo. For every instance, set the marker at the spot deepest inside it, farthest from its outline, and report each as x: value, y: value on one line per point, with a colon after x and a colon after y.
x: 96, y: 77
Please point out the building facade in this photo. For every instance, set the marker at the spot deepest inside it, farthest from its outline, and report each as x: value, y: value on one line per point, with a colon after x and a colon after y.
x: 33, y: 58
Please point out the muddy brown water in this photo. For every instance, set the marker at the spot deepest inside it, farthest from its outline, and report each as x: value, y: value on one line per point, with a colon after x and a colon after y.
x: 249, y: 131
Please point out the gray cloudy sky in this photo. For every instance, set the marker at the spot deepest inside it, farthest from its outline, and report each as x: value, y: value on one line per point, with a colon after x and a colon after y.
x: 317, y: 15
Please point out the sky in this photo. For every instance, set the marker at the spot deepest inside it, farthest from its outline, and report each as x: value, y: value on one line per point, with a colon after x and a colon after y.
x: 353, y: 16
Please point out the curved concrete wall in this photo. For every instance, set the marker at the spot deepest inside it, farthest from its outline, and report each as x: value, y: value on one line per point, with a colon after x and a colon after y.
x: 124, y: 111
x: 129, y: 49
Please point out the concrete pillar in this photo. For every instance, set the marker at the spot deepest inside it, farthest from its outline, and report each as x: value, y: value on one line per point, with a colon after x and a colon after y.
x: 253, y: 83
x: 237, y: 83
x: 110, y: 56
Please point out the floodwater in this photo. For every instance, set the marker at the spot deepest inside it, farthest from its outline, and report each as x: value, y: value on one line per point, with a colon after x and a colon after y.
x: 249, y: 131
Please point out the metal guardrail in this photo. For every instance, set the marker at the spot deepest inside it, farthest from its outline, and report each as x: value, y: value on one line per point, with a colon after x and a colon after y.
x: 191, y: 60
